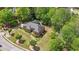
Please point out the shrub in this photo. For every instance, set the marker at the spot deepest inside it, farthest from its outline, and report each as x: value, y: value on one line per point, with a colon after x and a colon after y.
x: 18, y: 36
x: 33, y: 42
x: 36, y: 48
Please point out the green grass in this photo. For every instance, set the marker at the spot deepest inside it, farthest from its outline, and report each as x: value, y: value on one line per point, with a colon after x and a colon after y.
x: 25, y: 36
x: 42, y: 42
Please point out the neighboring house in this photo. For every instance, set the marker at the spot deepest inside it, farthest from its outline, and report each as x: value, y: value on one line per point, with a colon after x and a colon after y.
x: 34, y: 26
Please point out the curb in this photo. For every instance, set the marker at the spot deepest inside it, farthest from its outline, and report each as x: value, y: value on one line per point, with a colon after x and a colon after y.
x: 15, y: 44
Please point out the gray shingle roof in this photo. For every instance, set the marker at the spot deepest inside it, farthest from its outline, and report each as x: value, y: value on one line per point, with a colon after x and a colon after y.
x: 35, y: 27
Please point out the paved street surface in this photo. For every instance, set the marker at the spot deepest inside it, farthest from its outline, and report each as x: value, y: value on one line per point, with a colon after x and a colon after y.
x: 6, y: 46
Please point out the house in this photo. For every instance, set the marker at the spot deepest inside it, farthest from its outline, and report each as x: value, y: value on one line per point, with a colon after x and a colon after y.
x: 34, y: 26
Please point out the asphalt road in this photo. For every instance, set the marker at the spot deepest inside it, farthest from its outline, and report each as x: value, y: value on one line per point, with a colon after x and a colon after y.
x: 6, y: 46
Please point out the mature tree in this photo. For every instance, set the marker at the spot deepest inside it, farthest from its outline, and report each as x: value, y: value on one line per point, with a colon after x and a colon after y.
x: 56, y: 43
x: 51, y: 12
x: 6, y: 18
x: 59, y: 18
x: 66, y: 37
x: 22, y: 14
x: 75, y: 44
x: 41, y: 14
x: 14, y: 23
x: 77, y: 27
x: 32, y: 15
x: 68, y: 34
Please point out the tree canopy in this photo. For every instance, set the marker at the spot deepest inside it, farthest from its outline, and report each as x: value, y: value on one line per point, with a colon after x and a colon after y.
x: 64, y: 22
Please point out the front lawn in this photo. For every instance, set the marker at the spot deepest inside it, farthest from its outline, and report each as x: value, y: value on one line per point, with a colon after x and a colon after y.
x: 25, y: 36
x: 42, y: 42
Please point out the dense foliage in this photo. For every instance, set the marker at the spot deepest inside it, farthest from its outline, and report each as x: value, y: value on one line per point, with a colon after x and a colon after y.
x: 64, y: 22
x: 6, y: 18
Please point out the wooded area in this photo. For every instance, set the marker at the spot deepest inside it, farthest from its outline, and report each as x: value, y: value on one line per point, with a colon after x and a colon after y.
x: 64, y: 24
